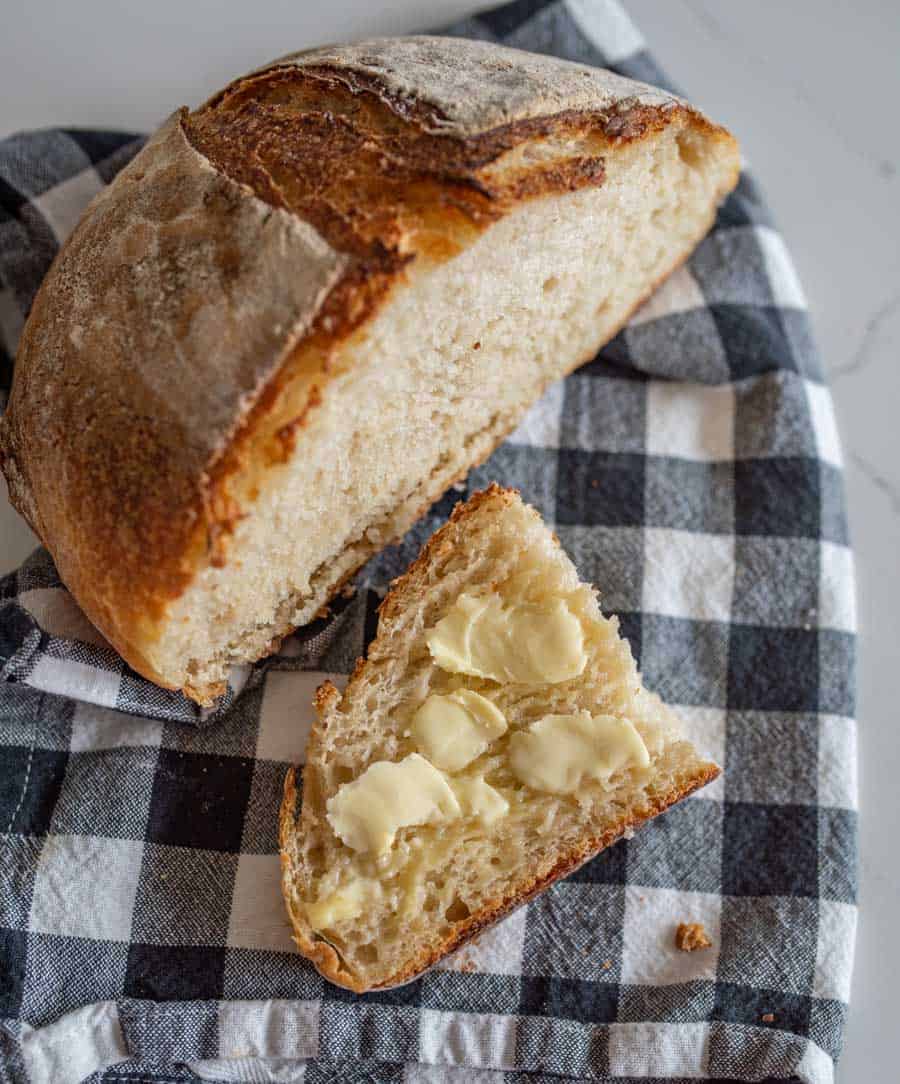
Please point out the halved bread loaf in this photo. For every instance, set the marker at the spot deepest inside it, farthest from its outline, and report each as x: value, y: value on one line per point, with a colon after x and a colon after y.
x: 306, y: 308
x: 419, y: 826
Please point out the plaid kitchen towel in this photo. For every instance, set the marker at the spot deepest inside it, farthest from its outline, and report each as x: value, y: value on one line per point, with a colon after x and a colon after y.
x: 692, y: 470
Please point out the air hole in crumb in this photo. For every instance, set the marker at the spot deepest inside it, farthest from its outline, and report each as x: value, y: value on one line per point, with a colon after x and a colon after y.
x: 602, y: 308
x: 457, y: 911
x: 342, y: 774
x: 431, y: 903
x: 495, y: 860
x: 367, y: 954
x: 689, y: 150
x: 476, y: 346
x: 315, y: 857
x: 550, y: 284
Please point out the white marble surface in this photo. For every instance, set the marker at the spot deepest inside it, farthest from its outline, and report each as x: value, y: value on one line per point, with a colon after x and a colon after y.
x: 810, y: 89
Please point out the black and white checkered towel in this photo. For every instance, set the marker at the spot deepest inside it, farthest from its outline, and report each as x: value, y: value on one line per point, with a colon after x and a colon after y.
x: 692, y: 470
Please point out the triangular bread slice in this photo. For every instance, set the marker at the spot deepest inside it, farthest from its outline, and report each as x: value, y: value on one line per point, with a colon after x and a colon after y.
x: 420, y: 826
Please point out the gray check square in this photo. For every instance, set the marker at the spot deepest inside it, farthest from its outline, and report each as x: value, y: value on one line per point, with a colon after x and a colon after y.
x: 837, y: 671
x: 454, y: 991
x: 682, y: 347
x: 84, y: 806
x: 261, y: 819
x: 332, y: 644
x: 730, y: 267
x: 18, y: 870
x: 768, y: 942
x: 575, y: 931
x: 826, y: 1024
x: 776, y: 581
x: 772, y: 417
x: 362, y: 1029
x: 674, y: 1003
x: 64, y: 973
x: 838, y: 872
x: 689, y: 496
x: 682, y: 849
x: 767, y: 757
x: 195, y: 1036
x: 183, y: 896
x: 556, y: 1046
x: 234, y: 734
x: 799, y: 338
x: 281, y: 976
x: 686, y: 662
x: 533, y: 471
x: 833, y: 526
x: 609, y: 557
x: 603, y: 414
x: 28, y: 717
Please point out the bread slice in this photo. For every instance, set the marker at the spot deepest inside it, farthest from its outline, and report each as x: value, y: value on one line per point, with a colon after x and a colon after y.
x: 439, y: 884
x: 309, y: 306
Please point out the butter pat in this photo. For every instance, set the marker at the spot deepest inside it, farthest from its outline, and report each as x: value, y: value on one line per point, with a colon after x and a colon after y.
x: 367, y: 813
x: 535, y: 643
x: 479, y: 799
x: 558, y: 752
x: 345, y: 904
x: 453, y: 730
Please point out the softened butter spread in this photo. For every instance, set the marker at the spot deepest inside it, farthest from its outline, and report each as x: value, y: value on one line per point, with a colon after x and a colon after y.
x: 347, y: 903
x: 367, y: 813
x: 528, y: 642
x: 557, y: 752
x: 479, y: 799
x: 454, y: 729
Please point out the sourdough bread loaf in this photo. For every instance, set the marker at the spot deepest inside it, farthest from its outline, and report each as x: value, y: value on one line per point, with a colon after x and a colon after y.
x: 307, y: 307
x: 382, y: 873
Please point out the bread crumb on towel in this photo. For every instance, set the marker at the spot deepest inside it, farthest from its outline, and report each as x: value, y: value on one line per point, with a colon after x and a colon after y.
x: 691, y: 936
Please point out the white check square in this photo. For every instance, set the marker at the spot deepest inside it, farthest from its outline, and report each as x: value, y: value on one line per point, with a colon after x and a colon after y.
x: 258, y: 917
x: 687, y: 574
x: 706, y: 729
x: 824, y: 423
x: 834, y: 950
x: 837, y: 601
x: 678, y: 293
x: 96, y: 728
x: 652, y: 916
x: 269, y: 1029
x: 86, y: 887
x: 605, y: 23
x: 656, y: 1049
x: 498, y: 951
x: 837, y: 762
x: 783, y: 280
x: 287, y: 713
x: 540, y: 426
x: 687, y: 421
x: 63, y: 205
x: 77, y: 680
x: 482, y: 1041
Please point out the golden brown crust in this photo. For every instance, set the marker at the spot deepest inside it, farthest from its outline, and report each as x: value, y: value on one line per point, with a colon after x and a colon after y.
x: 188, y: 327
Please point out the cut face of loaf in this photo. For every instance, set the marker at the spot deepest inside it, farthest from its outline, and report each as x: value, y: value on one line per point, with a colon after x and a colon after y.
x: 435, y: 800
x: 308, y: 307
